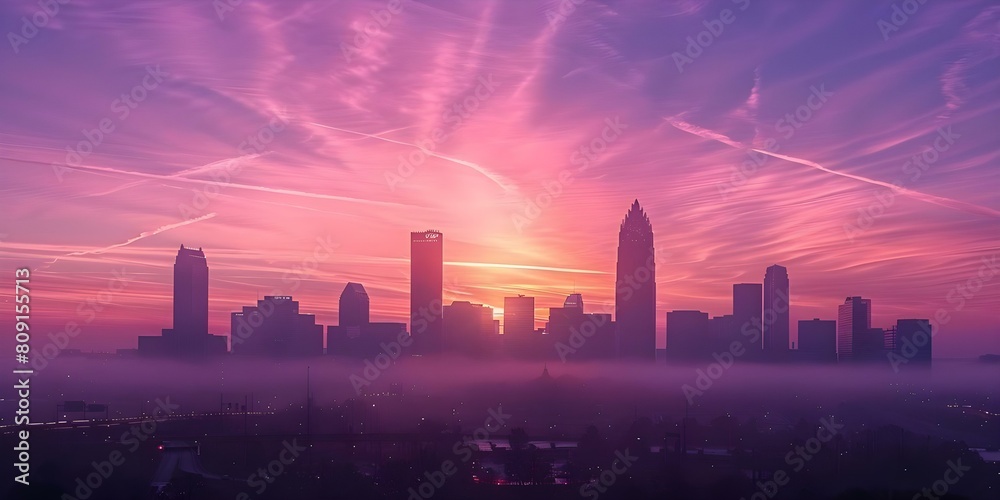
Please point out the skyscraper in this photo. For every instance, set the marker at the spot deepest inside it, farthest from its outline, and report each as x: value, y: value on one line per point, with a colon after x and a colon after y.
x: 747, y: 300
x: 190, y: 293
x: 518, y: 315
x: 635, y: 287
x: 426, y: 283
x: 775, y: 317
x: 356, y: 336
x: 354, y: 305
x: 189, y: 336
x: 519, y: 338
x: 854, y: 320
x: 574, y: 301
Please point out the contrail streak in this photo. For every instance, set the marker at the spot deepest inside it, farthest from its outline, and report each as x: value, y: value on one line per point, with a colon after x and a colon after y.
x: 234, y: 185
x: 497, y: 179
x: 183, y: 173
x: 928, y: 198
x: 917, y: 195
x: 521, y: 266
x: 142, y: 235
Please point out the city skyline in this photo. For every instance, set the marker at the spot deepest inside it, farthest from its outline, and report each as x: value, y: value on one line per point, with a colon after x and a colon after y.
x: 497, y: 249
x: 759, y: 319
x: 191, y: 275
x: 263, y: 164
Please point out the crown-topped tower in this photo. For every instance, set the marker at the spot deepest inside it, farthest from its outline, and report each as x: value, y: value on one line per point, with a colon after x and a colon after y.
x: 635, y: 287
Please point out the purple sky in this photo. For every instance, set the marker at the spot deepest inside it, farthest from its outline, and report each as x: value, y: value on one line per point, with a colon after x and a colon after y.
x: 494, y: 101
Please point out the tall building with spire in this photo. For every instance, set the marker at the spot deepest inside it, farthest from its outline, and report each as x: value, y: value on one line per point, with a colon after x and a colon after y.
x: 635, y: 287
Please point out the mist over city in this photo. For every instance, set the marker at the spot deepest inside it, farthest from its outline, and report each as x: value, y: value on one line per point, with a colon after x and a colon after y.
x: 500, y: 249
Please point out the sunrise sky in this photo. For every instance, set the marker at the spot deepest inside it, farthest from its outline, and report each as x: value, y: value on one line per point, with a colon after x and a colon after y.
x: 492, y: 101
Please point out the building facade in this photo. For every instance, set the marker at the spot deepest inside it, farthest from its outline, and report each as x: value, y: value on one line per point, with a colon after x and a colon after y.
x: 775, y: 317
x: 275, y: 327
x: 635, y: 287
x: 854, y: 321
x: 426, y: 289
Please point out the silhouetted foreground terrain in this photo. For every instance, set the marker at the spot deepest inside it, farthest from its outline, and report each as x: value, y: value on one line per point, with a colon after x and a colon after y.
x: 451, y: 428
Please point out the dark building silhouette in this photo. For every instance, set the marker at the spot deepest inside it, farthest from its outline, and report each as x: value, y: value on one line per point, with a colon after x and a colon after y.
x: 520, y: 338
x: 889, y: 339
x: 817, y: 341
x: 720, y: 330
x: 426, y: 285
x: 688, y: 337
x: 913, y: 342
x: 747, y: 307
x: 190, y: 292
x: 468, y: 329
x: 869, y: 347
x: 354, y: 305
x: 574, y: 301
x: 775, y: 317
x: 274, y: 327
x: 189, y: 336
x: 635, y: 287
x: 367, y: 340
x: 356, y: 336
x: 854, y: 321
x: 518, y: 315
x: 573, y: 335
